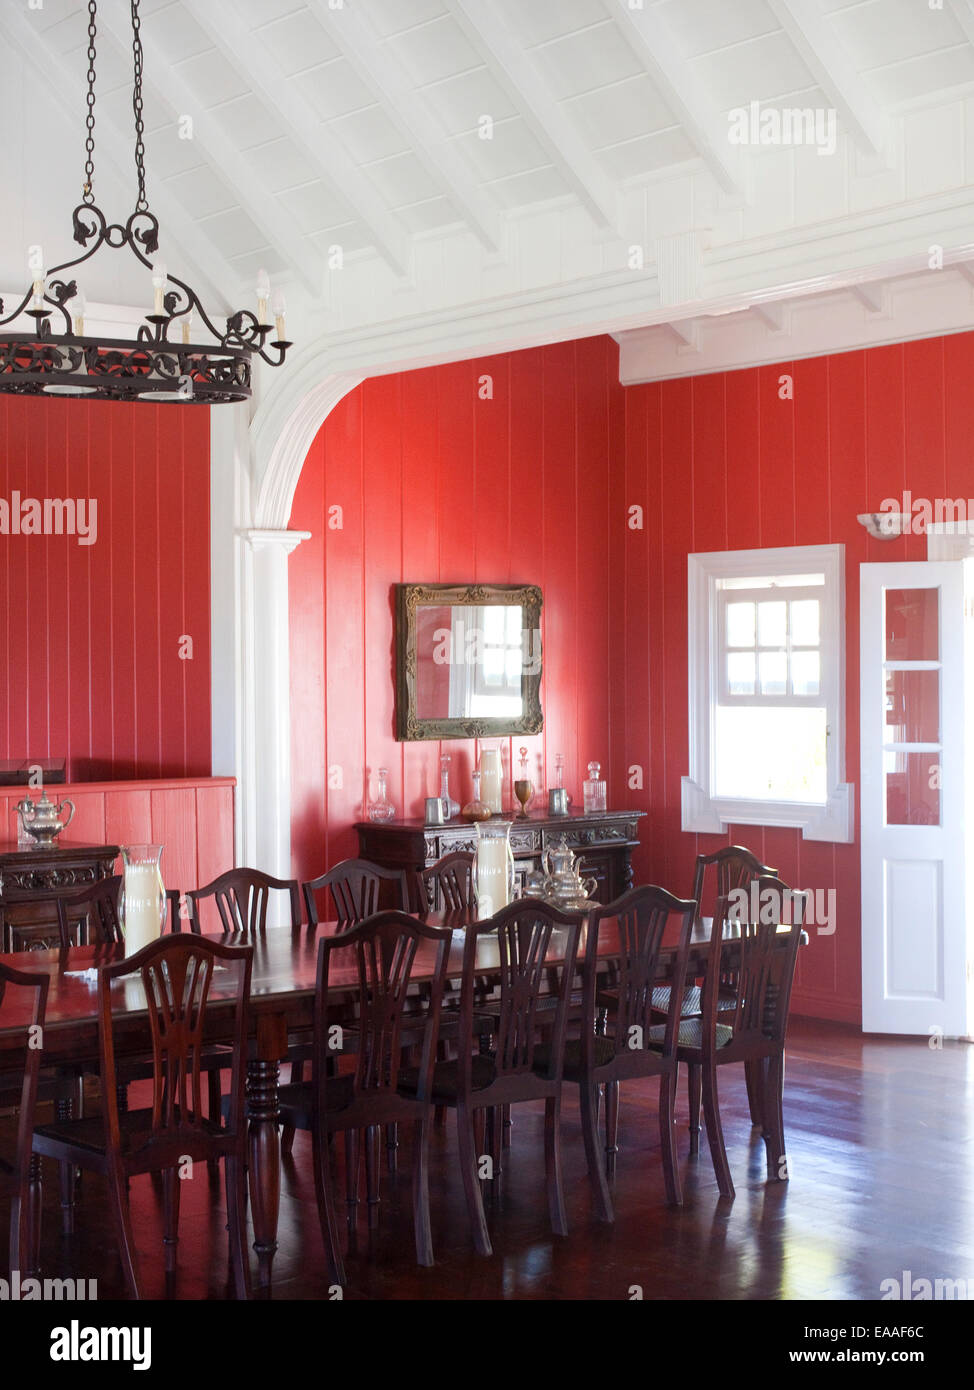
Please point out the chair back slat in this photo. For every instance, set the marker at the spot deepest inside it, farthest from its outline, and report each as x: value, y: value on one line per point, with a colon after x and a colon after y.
x: 734, y: 867
x: 176, y: 975
x: 354, y: 886
x: 241, y: 897
x: 97, y: 905
x: 384, y: 948
x: 763, y: 965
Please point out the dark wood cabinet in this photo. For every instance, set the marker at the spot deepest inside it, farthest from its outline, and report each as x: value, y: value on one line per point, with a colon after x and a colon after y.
x: 32, y: 878
x: 603, y: 842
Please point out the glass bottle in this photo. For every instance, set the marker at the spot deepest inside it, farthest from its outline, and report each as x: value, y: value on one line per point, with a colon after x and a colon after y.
x: 381, y: 808
x: 593, y: 791
x: 451, y: 808
x: 475, y: 809
x: 523, y: 787
x: 559, y: 781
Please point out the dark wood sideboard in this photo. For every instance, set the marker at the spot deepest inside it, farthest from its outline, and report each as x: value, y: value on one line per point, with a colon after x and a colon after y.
x: 32, y: 878
x: 603, y: 842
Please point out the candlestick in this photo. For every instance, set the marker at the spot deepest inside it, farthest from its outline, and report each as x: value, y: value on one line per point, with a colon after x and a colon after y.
x: 263, y: 294
x: 279, y: 307
x: 158, y: 287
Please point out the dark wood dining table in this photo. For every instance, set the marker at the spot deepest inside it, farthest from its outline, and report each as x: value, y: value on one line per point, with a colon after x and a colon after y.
x: 282, y: 1001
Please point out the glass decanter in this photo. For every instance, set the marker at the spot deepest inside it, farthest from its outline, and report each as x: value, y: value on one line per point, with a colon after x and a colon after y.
x: 523, y: 787
x: 451, y: 808
x: 559, y: 778
x: 475, y: 809
x: 382, y: 808
x: 593, y: 790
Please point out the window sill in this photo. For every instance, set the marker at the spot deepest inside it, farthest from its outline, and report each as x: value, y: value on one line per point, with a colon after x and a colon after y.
x: 834, y: 820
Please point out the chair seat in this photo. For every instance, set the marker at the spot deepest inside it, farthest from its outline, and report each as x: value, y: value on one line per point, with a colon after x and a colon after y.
x: 604, y: 1053
x: 692, y: 1000
x: 296, y: 1104
x: 446, y: 1079
x: 691, y: 1034
x: 135, y: 1128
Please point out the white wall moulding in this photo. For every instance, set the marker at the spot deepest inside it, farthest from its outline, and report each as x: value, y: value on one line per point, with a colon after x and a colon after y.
x: 703, y: 810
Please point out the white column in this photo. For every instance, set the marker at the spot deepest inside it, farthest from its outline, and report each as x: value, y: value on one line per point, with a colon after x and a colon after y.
x: 265, y: 772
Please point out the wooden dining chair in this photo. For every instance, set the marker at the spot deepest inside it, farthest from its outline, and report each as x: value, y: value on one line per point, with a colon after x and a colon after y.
x: 23, y: 1002
x: 383, y: 954
x: 355, y: 886
x: 762, y: 958
x: 447, y: 885
x: 241, y: 897
x: 91, y: 916
x: 622, y: 1048
x: 179, y: 983
x: 534, y: 942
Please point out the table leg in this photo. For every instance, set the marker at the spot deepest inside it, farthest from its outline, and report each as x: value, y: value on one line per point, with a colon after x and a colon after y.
x: 264, y: 1143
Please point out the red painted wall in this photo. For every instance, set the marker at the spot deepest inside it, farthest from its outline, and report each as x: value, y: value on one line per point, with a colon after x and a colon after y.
x: 534, y: 485
x: 89, y: 635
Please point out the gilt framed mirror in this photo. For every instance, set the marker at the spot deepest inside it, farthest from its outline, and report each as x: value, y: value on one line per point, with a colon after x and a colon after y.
x: 468, y: 660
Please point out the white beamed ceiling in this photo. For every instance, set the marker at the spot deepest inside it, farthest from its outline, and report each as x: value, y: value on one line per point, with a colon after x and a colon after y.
x: 352, y: 130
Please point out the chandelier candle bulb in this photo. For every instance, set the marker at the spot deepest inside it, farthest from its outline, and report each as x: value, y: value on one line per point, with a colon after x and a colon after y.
x: 279, y: 306
x: 263, y: 295
x: 80, y: 306
x: 187, y: 326
x: 158, y: 287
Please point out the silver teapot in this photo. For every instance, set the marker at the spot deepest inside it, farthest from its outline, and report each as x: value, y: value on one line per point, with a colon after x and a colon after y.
x: 564, y: 886
x: 42, y: 819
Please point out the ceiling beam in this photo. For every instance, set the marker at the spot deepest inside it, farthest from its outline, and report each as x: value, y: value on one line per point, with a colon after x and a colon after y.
x: 180, y: 99
x: 707, y: 130
x: 303, y: 125
x: 518, y: 73
x: 364, y: 49
x: 813, y: 36
x: 213, y: 273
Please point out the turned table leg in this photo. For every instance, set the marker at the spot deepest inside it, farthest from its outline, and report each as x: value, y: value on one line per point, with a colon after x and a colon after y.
x: 264, y: 1143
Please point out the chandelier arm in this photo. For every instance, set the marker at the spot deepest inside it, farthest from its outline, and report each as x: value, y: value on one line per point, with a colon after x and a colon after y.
x: 19, y: 309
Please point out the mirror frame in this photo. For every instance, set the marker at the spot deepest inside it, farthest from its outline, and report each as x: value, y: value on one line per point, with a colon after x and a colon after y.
x: 409, y: 597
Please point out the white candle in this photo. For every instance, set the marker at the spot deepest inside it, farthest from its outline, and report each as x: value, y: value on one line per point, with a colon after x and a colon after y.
x: 80, y: 305
x: 279, y: 309
x: 490, y: 779
x: 159, y: 275
x: 263, y: 294
x: 493, y: 883
x: 142, y: 916
x: 187, y: 326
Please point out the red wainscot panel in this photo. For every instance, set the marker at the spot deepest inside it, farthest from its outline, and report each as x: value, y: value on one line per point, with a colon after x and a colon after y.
x: 191, y: 817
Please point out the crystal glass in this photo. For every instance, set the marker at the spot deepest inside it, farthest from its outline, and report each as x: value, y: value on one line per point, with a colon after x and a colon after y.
x: 523, y: 787
x: 382, y: 808
x: 475, y: 809
x: 493, y: 867
x: 143, y: 903
x: 593, y: 791
x: 451, y: 808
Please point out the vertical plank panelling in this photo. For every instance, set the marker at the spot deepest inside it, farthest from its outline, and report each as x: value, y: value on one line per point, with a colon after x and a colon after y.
x: 88, y: 632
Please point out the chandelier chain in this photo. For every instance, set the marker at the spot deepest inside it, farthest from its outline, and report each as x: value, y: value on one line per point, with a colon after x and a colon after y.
x: 142, y: 202
x: 87, y: 188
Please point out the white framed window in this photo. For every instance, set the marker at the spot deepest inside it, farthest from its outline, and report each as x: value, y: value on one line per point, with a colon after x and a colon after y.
x: 767, y: 691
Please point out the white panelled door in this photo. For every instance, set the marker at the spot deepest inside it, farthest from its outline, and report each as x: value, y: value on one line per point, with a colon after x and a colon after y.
x: 915, y: 764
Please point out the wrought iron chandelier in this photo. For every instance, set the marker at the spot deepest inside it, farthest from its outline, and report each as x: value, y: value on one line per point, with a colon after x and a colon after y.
x: 150, y: 367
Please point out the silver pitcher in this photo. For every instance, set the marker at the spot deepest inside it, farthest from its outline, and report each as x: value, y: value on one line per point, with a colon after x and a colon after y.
x: 42, y: 819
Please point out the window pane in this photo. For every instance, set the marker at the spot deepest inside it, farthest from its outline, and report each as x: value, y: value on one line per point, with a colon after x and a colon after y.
x: 740, y: 673
x: 912, y: 624
x: 910, y: 798
x: 913, y: 706
x: 771, y: 624
x: 805, y: 676
x: 804, y: 622
x: 774, y: 673
x: 770, y: 754
x: 740, y: 624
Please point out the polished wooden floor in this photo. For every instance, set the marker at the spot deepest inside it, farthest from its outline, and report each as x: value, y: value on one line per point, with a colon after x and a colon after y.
x: 880, y: 1143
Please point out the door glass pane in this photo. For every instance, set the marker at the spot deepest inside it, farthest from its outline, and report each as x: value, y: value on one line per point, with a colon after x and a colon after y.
x: 912, y: 624
x: 805, y: 673
x: 740, y: 673
x: 912, y: 788
x: 740, y: 624
x: 913, y: 706
x: 774, y: 673
x: 771, y: 624
x: 804, y: 622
